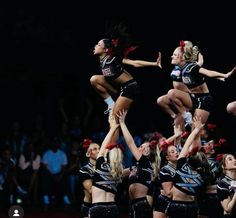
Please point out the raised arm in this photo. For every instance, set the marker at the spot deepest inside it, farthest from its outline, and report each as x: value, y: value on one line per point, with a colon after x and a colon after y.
x: 200, y: 59
x: 193, y: 135
x: 177, y: 134
x: 127, y: 136
x: 229, y: 204
x: 143, y: 63
x: 216, y: 74
x: 108, y: 138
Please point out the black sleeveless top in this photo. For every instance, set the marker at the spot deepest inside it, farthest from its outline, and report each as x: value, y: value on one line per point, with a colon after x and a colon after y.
x: 191, y: 76
x: 86, y: 172
x: 111, y: 67
x: 187, y: 180
x: 102, y: 177
x: 141, y: 172
x: 167, y: 173
x: 214, y: 169
x: 224, y: 189
x: 176, y: 74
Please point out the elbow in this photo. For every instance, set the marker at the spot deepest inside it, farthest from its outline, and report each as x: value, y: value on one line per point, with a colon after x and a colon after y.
x: 228, y: 210
x: 169, y: 194
x: 137, y: 65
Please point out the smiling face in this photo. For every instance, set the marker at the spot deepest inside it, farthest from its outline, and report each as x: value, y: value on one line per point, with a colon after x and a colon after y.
x: 177, y: 57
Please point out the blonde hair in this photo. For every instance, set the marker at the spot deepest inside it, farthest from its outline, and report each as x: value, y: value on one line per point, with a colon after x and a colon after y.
x: 116, y: 163
x: 190, y: 52
x: 155, y: 158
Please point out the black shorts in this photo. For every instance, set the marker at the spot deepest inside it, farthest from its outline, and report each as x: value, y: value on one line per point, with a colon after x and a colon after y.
x: 202, y: 101
x: 84, y: 210
x: 104, y: 209
x: 209, y: 205
x: 130, y: 89
x: 182, y: 209
x: 140, y: 208
x: 162, y: 203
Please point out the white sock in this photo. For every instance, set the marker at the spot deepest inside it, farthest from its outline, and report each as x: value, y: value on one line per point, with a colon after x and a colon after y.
x: 184, y: 114
x: 187, y: 117
x: 109, y: 101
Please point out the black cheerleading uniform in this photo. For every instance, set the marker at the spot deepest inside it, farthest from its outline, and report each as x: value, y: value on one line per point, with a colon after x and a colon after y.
x: 190, y: 182
x: 86, y: 173
x: 208, y: 203
x: 224, y: 190
x: 141, y: 173
x: 167, y: 174
x: 176, y: 74
x: 192, y: 78
x: 103, y: 180
x: 112, y: 68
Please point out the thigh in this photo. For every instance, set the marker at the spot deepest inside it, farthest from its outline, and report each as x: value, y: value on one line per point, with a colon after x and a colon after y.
x: 122, y: 103
x: 183, y: 97
x: 101, y: 80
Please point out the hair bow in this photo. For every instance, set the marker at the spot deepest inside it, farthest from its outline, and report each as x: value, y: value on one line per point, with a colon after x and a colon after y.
x: 86, y: 143
x: 111, y: 146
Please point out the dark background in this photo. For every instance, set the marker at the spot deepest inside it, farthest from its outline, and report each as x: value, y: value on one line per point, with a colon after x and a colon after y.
x: 47, y: 54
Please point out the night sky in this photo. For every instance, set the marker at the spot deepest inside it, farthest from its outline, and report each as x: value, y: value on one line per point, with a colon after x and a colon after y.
x: 47, y: 53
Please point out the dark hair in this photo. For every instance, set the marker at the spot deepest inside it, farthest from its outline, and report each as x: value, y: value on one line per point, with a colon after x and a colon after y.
x: 200, y: 163
x: 118, y: 39
x: 107, y: 43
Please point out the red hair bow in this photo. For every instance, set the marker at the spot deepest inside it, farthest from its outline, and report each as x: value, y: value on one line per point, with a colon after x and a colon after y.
x: 164, y: 145
x: 221, y: 142
x: 86, y: 143
x: 128, y: 50
x: 211, y: 126
x: 185, y: 134
x: 182, y: 44
x: 120, y: 146
x: 153, y: 144
x: 114, y: 42
x: 156, y: 136
x: 219, y: 157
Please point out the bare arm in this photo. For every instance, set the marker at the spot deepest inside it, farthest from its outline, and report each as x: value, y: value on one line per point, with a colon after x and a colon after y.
x: 127, y: 136
x: 200, y: 59
x: 193, y: 135
x: 143, y: 63
x: 177, y: 134
x: 87, y: 184
x: 167, y: 188
x: 231, y: 108
x: 229, y: 204
x: 216, y: 74
x: 108, y: 138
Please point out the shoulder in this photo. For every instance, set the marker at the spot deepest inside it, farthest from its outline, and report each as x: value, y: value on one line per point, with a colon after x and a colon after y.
x: 189, y: 67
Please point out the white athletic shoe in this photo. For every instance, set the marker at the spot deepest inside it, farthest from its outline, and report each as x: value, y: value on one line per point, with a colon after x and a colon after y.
x: 109, y: 110
x: 188, y: 119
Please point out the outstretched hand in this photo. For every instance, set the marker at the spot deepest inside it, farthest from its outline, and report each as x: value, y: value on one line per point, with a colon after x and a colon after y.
x: 230, y: 73
x: 121, y: 115
x: 197, y: 122
x: 158, y: 62
x: 112, y: 122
